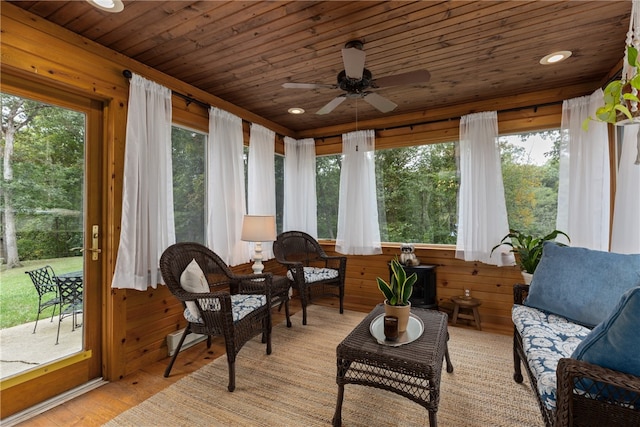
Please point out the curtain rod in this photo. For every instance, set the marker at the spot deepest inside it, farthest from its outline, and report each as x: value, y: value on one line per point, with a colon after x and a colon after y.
x: 128, y: 74
x: 429, y: 122
x: 191, y: 100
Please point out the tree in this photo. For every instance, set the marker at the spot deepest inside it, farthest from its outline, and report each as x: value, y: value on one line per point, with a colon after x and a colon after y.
x: 17, y: 113
x: 327, y: 191
x: 188, y: 154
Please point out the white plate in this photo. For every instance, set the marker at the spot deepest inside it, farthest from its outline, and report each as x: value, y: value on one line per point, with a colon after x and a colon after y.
x: 415, y: 328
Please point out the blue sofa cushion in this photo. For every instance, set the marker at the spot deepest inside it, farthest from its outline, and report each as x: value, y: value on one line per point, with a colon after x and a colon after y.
x: 581, y: 284
x: 546, y: 338
x: 615, y: 343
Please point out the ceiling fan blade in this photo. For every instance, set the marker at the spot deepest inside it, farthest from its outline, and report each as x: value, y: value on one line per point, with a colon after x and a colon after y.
x: 379, y: 102
x: 410, y: 78
x: 331, y: 105
x: 353, y: 59
x: 307, y: 86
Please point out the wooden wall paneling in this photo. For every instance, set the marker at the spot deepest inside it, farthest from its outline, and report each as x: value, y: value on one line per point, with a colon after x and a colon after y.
x: 491, y: 285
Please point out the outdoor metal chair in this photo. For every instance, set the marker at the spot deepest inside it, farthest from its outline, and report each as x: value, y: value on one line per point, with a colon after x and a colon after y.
x: 310, y: 267
x: 44, y: 281
x: 216, y: 301
x: 70, y: 288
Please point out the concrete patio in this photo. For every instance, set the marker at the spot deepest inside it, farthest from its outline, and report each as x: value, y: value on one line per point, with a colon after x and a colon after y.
x: 21, y: 349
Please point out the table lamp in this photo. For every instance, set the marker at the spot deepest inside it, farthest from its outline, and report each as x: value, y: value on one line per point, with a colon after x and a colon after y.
x: 258, y: 229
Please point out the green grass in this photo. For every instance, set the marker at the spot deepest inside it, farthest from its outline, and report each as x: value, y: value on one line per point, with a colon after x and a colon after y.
x: 18, y: 296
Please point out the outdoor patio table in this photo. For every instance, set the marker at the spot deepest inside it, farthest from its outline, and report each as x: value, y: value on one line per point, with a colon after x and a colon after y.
x: 411, y: 370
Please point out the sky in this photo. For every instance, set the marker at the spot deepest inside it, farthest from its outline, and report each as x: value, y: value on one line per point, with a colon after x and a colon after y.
x: 535, y: 146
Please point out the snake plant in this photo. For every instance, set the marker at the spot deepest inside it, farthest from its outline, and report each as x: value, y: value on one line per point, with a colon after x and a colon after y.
x: 399, y: 290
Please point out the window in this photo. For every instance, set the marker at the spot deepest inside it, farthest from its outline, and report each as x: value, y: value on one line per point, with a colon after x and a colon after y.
x: 327, y: 193
x: 417, y: 193
x: 189, y: 184
x: 418, y: 188
x: 279, y: 167
x: 530, y: 163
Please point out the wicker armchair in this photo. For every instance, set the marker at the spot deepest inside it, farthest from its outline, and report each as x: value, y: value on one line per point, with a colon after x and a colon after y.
x: 219, y: 309
x: 596, y: 404
x: 310, y: 267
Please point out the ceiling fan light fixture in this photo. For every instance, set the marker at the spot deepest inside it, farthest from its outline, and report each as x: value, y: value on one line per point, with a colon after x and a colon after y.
x: 112, y: 6
x: 555, y: 57
x: 296, y: 110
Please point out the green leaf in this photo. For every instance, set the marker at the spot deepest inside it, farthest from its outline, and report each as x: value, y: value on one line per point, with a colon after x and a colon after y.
x: 385, y: 289
x: 408, y: 288
x: 632, y: 56
x: 624, y: 110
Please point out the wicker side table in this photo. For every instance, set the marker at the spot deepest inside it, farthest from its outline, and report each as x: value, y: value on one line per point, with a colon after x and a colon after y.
x: 412, y: 370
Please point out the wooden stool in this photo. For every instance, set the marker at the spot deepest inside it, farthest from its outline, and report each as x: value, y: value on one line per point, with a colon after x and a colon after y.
x: 468, y: 304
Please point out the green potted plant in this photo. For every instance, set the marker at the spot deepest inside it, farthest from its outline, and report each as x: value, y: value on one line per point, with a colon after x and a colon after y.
x: 618, y: 94
x: 397, y: 293
x: 528, y: 249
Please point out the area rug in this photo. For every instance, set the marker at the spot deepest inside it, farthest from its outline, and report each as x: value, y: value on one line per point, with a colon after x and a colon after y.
x: 295, y: 385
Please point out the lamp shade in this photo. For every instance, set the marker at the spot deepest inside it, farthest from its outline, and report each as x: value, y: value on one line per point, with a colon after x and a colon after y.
x: 258, y: 228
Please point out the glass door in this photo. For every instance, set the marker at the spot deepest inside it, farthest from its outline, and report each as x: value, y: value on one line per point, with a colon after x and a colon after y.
x: 50, y: 227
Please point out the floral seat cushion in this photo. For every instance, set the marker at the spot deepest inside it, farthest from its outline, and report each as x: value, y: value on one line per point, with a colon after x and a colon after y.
x: 316, y: 274
x: 241, y: 305
x: 546, y: 338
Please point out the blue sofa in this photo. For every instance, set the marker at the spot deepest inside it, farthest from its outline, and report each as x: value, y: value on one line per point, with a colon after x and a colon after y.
x: 577, y: 333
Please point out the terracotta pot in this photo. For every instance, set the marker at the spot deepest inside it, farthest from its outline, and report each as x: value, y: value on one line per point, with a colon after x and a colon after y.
x: 399, y: 311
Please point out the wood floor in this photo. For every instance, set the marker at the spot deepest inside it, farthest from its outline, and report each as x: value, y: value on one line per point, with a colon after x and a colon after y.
x: 104, y: 403
x: 100, y: 405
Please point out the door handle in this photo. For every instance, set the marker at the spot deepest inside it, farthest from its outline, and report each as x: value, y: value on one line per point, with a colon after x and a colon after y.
x: 94, y: 249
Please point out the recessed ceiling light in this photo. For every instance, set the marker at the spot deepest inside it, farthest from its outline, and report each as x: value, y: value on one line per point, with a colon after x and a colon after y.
x: 108, y: 5
x: 555, y: 57
x: 296, y: 110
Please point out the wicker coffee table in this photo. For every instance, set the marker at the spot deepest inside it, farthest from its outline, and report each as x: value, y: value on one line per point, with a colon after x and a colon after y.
x: 411, y: 370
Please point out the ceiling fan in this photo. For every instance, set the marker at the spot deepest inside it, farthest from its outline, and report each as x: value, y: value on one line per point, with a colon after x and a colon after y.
x: 358, y: 82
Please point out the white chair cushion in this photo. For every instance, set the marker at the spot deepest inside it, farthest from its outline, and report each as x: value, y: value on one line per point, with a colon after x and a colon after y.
x: 193, y: 279
x: 241, y: 305
x: 546, y: 338
x: 315, y: 274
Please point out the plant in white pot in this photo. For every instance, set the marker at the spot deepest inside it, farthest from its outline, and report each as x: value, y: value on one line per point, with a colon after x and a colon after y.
x: 528, y: 249
x: 397, y: 294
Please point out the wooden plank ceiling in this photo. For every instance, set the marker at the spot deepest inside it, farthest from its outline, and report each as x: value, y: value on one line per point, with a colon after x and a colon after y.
x: 244, y: 51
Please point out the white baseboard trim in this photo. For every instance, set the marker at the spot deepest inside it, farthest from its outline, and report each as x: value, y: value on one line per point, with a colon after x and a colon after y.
x: 190, y: 340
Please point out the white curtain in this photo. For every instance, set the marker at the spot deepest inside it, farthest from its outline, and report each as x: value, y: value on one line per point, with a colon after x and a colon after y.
x: 262, y: 177
x: 358, y: 228
x: 625, y: 235
x: 225, y: 187
x: 147, y: 226
x: 482, y: 212
x: 300, y: 203
x: 584, y: 183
